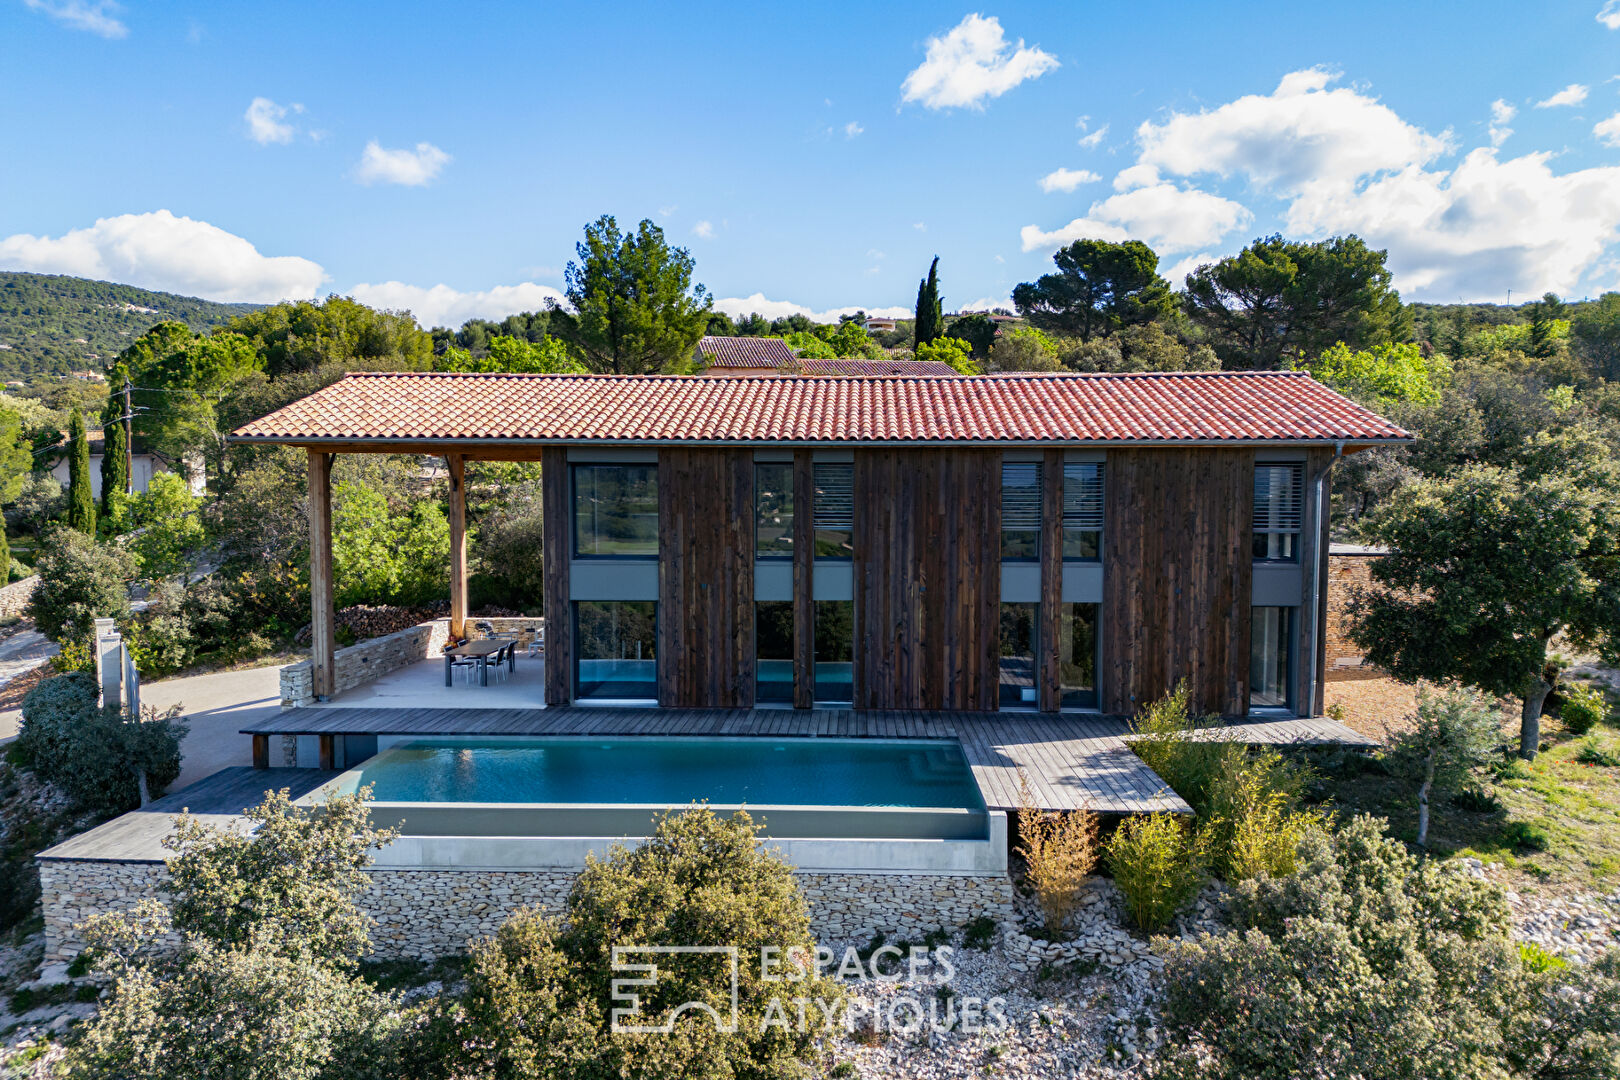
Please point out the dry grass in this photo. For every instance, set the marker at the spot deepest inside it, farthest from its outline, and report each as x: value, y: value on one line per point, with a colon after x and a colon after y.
x: 1059, y: 850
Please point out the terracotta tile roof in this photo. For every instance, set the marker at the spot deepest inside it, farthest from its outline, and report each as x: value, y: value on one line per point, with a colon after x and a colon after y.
x: 855, y: 366
x: 1180, y: 407
x: 748, y: 352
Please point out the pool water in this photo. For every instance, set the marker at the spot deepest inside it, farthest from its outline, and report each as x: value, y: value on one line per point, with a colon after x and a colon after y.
x: 675, y: 772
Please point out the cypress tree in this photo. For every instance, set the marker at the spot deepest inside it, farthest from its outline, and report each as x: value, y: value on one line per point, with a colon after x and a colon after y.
x: 114, y: 457
x: 929, y: 322
x: 81, y: 506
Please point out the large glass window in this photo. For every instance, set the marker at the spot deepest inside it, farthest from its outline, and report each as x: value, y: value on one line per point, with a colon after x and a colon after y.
x: 773, y: 510
x: 773, y: 650
x: 1279, y: 505
x: 1077, y: 655
x: 615, y: 644
x: 1082, y: 510
x: 1019, y: 632
x: 1020, y: 511
x: 1271, y: 657
x: 834, y: 511
x: 616, y: 511
x: 835, y: 650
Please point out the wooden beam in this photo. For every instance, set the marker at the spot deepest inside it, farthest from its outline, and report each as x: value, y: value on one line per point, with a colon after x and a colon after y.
x: 458, y: 545
x: 261, y: 751
x: 556, y: 541
x: 1047, y: 675
x: 322, y: 619
x: 804, y: 600
x: 328, y: 752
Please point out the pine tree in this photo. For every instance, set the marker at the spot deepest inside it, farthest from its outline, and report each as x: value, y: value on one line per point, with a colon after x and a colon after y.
x: 929, y: 321
x: 81, y: 507
x: 114, y: 457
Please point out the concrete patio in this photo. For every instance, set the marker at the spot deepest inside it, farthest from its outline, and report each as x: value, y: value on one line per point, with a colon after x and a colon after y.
x: 421, y: 686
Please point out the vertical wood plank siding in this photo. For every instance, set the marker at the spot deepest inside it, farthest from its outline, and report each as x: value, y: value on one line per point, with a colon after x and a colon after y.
x: 927, y: 586
x: 804, y: 562
x: 556, y: 540
x: 706, y: 578
x: 1178, y: 583
x: 1046, y: 640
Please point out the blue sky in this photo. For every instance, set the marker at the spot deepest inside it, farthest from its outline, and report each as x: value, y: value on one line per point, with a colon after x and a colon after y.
x: 446, y: 157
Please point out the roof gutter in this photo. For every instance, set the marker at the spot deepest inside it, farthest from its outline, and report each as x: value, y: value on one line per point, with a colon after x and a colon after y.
x: 382, y: 443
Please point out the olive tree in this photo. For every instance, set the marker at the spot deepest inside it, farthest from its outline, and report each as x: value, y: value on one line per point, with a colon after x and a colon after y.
x: 1455, y: 731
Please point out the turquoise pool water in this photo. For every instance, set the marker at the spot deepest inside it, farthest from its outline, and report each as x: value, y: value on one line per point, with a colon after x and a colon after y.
x: 674, y: 772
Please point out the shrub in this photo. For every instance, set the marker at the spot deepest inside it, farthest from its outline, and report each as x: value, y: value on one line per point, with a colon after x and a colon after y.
x: 1158, y: 864
x: 1164, y: 740
x: 79, y: 582
x: 291, y: 882
x: 1584, y: 708
x: 1593, y: 752
x: 1476, y: 800
x: 159, y: 638
x: 1539, y: 960
x: 1523, y: 836
x: 536, y: 1003
x: 100, y: 757
x: 1254, y: 821
x: 1568, y: 1026
x: 1059, y: 851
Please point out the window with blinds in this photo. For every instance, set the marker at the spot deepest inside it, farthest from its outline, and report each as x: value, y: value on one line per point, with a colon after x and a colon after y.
x: 1279, y: 511
x: 833, y: 514
x: 1082, y: 510
x: 1020, y: 511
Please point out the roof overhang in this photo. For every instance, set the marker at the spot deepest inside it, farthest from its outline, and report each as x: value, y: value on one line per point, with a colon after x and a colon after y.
x: 440, y: 446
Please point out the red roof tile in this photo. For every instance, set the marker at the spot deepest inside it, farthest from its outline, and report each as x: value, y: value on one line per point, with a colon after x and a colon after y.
x: 855, y: 366
x: 748, y: 352
x: 1137, y: 408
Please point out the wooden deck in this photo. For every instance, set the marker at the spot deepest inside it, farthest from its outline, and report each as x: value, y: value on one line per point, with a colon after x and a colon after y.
x: 1072, y: 762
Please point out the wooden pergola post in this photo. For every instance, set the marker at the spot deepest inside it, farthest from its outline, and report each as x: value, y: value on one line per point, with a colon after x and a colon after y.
x: 322, y: 618
x: 458, y: 545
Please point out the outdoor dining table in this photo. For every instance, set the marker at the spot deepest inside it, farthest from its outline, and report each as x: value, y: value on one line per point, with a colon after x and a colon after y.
x: 484, y: 650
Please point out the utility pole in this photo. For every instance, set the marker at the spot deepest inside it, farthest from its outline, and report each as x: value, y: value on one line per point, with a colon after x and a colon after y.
x: 129, y: 440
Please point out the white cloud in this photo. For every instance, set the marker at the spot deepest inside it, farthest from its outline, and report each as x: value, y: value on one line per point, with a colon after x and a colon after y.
x: 1067, y: 179
x: 173, y: 254
x: 267, y: 121
x: 1608, y: 130
x: 985, y: 303
x: 413, y: 168
x: 1502, y: 114
x: 1093, y: 140
x: 1136, y: 176
x: 1302, y: 134
x: 920, y: 226
x: 1177, y: 274
x: 705, y: 229
x: 1573, y: 94
x: 1609, y: 14
x: 852, y: 129
x: 740, y: 307
x: 1167, y: 217
x: 971, y: 63
x: 443, y: 306
x: 95, y: 16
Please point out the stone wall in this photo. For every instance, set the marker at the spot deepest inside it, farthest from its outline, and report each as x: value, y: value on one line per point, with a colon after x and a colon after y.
x: 1347, y: 572
x: 15, y: 597
x: 359, y: 664
x: 428, y: 913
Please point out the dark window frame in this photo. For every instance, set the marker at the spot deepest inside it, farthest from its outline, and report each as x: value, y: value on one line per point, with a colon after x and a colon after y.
x: 759, y: 682
x: 573, y: 511
x: 1079, y: 517
x: 1290, y: 647
x: 773, y: 556
x: 1021, y: 513
x: 1277, y: 521
x: 820, y: 523
x: 573, y: 618
x: 1002, y: 688
x: 1095, y: 693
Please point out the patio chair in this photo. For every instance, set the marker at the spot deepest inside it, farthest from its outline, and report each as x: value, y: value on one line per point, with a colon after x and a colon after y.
x: 537, y: 640
x: 466, y: 665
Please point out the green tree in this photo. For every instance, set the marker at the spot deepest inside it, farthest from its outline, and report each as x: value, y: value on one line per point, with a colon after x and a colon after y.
x: 106, y: 759
x: 1456, y: 730
x: 171, y: 529
x: 1024, y: 349
x: 114, y: 457
x: 548, y: 356
x: 949, y: 350
x: 1099, y: 287
x: 635, y: 308
x: 80, y: 581
x: 385, y: 556
x: 929, y: 322
x: 16, y: 462
x: 851, y: 339
x: 1279, y: 300
x: 979, y: 331
x: 1380, y: 376
x: 1489, y: 565
x: 1544, y: 315
x: 305, y: 336
x: 81, y: 507
x: 1595, y: 326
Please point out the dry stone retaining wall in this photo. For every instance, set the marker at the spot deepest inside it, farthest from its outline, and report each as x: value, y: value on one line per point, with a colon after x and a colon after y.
x: 14, y: 597
x: 368, y: 660
x: 428, y: 913
x: 1346, y: 574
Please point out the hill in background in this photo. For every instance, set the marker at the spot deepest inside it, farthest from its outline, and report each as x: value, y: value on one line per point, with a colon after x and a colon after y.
x: 53, y: 325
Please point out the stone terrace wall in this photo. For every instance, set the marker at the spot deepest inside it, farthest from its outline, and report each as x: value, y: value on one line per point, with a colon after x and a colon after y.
x: 429, y: 913
x: 15, y: 597
x: 1346, y: 573
x: 359, y: 664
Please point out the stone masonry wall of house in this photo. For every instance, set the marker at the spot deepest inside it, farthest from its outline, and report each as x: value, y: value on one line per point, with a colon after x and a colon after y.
x: 1346, y: 574
x: 428, y: 913
x: 15, y: 597
x: 361, y: 663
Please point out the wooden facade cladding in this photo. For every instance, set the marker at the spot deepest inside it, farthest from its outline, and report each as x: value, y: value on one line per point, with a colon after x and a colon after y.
x: 927, y: 581
x: 1046, y: 637
x: 706, y: 578
x: 556, y: 537
x: 323, y: 620
x: 804, y: 566
x: 1177, y: 579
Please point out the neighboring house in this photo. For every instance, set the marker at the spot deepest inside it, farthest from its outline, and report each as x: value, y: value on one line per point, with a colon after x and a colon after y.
x: 877, y: 326
x: 143, y: 465
x: 1046, y: 542
x: 745, y: 356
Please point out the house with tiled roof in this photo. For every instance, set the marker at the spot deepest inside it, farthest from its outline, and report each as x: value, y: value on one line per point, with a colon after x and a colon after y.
x: 1052, y: 543
x: 743, y: 356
